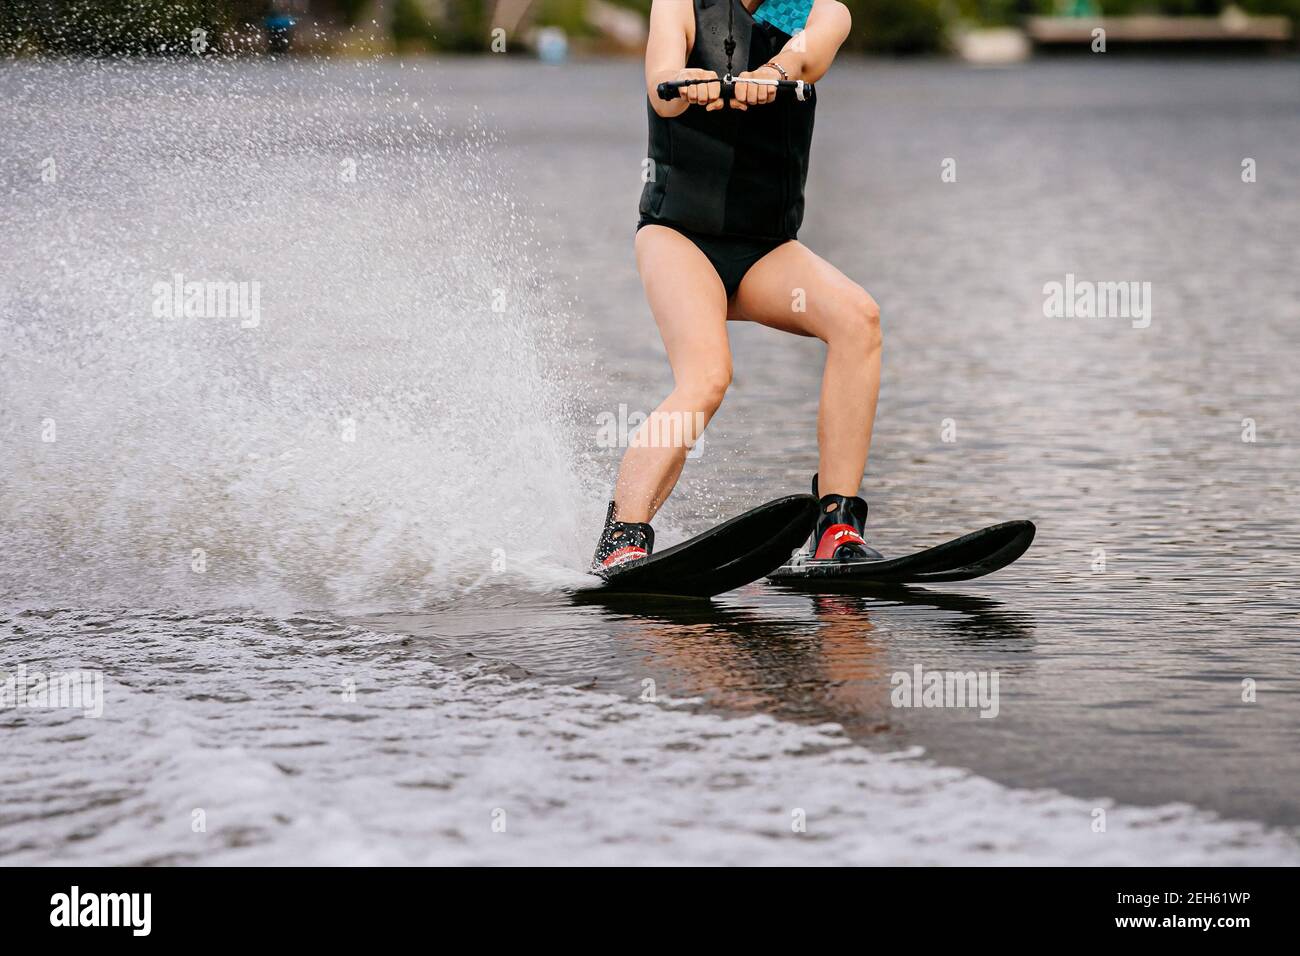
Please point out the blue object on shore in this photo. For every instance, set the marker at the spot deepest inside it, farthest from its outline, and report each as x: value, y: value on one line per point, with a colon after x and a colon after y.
x: 552, y: 45
x: 279, y: 31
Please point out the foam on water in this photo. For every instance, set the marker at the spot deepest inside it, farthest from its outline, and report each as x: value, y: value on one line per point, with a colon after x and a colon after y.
x: 390, y: 421
x: 199, y: 716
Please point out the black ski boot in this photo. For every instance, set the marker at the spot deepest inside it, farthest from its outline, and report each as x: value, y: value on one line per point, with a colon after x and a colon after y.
x: 621, y: 542
x: 837, y: 535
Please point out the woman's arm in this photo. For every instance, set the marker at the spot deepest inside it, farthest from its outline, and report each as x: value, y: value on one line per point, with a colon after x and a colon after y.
x: 809, y: 54
x: 671, y: 24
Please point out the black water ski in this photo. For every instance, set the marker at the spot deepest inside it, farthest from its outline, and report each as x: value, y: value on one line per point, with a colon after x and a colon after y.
x: 736, y: 552
x: 961, y: 559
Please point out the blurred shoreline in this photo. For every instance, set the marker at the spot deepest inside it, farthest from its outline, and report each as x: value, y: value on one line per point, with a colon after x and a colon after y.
x: 990, y: 31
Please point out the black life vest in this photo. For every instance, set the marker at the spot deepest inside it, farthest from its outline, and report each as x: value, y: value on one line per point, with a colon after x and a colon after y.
x: 731, y: 172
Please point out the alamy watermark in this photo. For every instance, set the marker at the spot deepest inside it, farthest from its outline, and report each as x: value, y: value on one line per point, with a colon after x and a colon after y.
x: 78, y: 690
x: 133, y: 911
x: 624, y: 429
x: 1084, y: 299
x: 199, y: 299
x: 921, y: 688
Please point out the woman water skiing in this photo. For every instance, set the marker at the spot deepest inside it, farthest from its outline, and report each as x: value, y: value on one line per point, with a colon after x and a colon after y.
x: 716, y: 242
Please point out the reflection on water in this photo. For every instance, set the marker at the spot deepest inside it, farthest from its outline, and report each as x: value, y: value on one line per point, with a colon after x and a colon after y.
x: 814, y: 658
x: 1091, y: 709
x: 826, y: 664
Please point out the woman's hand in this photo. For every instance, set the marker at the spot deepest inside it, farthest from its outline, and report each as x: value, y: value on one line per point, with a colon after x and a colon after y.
x: 708, y: 95
x: 746, y: 95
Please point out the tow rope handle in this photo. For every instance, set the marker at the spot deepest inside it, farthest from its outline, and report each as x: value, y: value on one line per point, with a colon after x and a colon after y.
x: 798, y: 89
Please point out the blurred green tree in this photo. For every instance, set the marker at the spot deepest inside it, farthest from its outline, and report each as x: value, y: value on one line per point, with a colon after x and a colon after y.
x: 117, y: 27
x: 897, y: 26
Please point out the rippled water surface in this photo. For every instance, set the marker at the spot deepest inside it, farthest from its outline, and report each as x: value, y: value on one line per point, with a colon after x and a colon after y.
x: 322, y: 562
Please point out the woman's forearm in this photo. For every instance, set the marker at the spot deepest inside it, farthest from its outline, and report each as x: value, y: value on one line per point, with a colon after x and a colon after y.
x: 665, y: 54
x: 809, y: 54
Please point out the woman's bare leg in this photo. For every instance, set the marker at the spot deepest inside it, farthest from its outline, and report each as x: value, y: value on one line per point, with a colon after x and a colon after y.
x: 690, y: 308
x: 840, y: 313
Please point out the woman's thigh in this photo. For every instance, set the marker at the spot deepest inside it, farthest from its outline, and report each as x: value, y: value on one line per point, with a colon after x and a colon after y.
x: 688, y: 302
x: 795, y: 290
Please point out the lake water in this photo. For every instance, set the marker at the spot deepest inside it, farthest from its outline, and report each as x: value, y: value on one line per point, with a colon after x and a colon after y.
x: 321, y: 553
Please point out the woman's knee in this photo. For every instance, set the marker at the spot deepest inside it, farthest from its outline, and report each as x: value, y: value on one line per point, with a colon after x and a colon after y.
x: 704, y: 390
x: 856, y: 321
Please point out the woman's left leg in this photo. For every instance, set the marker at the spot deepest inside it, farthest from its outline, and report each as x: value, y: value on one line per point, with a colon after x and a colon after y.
x: 838, y: 311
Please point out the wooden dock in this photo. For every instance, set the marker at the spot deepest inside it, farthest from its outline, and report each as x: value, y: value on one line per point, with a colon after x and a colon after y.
x: 1233, y: 28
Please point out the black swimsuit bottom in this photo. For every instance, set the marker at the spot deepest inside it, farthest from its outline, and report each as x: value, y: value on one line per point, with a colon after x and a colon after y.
x: 730, y: 256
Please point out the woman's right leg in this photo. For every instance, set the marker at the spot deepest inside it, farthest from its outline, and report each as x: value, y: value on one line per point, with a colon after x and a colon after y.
x: 690, y: 308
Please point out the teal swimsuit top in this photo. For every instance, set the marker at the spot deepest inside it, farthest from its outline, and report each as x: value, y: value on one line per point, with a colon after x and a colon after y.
x: 788, y: 16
